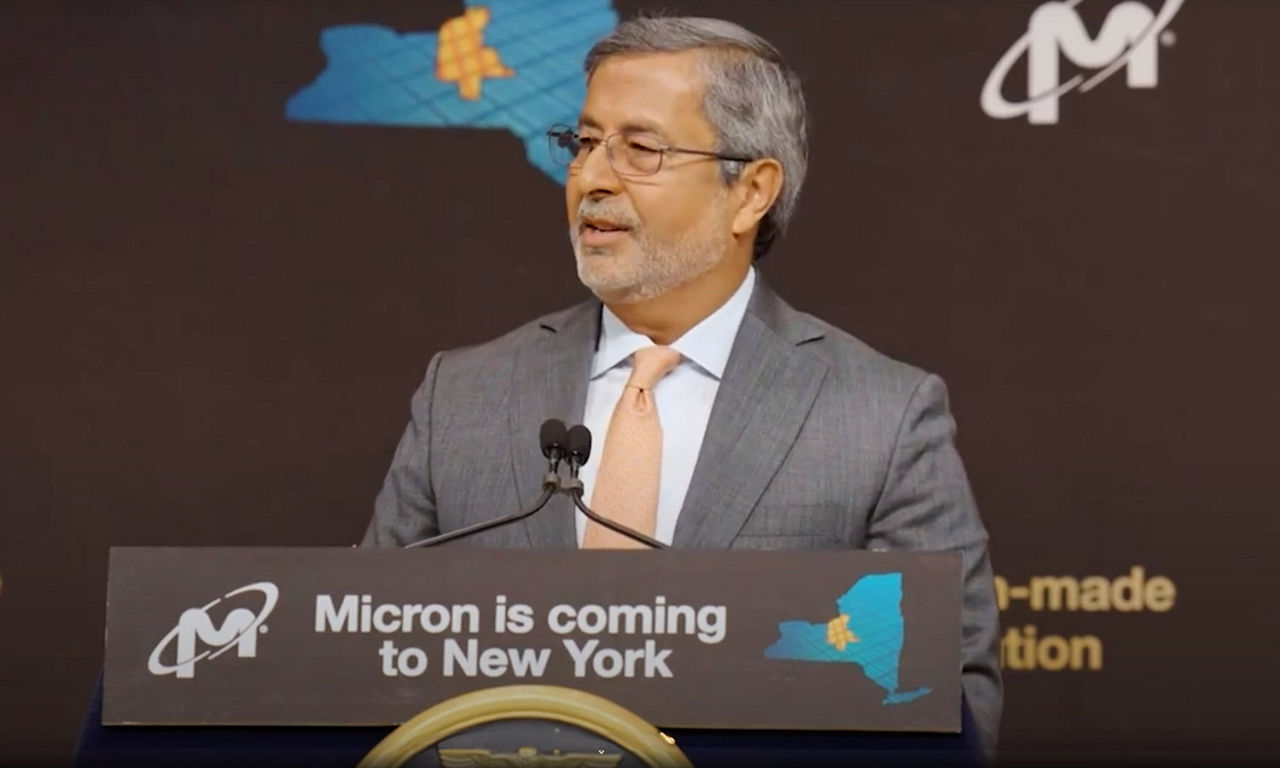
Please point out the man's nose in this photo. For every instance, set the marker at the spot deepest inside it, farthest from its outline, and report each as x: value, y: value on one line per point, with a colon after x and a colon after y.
x: 596, y: 177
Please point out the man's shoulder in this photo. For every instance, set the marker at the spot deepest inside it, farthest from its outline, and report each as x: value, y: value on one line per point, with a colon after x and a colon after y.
x: 852, y: 361
x: 848, y: 352
x: 501, y: 350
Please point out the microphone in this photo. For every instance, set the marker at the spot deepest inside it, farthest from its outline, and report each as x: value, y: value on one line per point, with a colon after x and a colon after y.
x: 578, y: 445
x: 579, y: 450
x: 555, y: 440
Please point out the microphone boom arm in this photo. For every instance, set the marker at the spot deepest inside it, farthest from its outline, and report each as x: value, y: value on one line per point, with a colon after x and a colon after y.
x: 557, y: 444
x: 574, y: 489
x: 551, y: 484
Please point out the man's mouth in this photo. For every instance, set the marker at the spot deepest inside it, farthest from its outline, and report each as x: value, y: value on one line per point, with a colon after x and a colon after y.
x: 600, y: 233
x: 601, y: 225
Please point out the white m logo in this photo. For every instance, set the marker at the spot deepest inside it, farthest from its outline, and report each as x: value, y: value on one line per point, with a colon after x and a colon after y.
x: 1129, y: 38
x: 239, y: 630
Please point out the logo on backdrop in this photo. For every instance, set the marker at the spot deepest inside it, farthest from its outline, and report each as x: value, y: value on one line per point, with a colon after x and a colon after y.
x: 502, y: 64
x: 240, y: 628
x: 1129, y: 39
x: 867, y: 631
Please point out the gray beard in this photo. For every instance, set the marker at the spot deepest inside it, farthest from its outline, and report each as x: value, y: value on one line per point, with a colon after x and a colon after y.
x: 661, y: 267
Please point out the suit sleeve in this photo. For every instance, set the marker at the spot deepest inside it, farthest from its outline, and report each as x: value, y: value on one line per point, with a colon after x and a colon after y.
x: 926, y: 504
x: 405, y: 510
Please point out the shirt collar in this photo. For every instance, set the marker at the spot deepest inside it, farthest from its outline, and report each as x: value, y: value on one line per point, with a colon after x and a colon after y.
x: 706, y: 344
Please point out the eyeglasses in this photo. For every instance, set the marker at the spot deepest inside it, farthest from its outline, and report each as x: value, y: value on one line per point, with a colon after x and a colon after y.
x: 629, y: 153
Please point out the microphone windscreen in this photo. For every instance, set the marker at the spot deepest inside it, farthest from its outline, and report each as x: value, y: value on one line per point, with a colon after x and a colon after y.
x: 553, y: 436
x: 580, y: 443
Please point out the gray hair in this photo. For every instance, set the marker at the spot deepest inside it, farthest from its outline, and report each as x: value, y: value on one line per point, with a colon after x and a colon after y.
x: 753, y: 98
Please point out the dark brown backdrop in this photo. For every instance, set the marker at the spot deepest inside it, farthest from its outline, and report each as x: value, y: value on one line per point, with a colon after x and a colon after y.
x: 213, y: 318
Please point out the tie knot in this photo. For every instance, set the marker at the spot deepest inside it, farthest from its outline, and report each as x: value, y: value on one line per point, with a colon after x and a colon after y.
x: 650, y: 364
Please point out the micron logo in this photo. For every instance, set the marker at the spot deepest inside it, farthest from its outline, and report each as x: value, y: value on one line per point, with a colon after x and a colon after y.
x: 239, y: 630
x: 1129, y: 39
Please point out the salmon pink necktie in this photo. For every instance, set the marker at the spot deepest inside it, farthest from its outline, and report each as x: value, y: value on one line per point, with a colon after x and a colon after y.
x: 630, y: 469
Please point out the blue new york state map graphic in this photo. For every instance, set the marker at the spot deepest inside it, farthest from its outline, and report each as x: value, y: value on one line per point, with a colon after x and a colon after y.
x: 868, y: 632
x: 513, y: 65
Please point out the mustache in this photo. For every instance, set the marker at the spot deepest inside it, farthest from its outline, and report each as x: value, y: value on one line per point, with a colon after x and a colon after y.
x: 616, y: 214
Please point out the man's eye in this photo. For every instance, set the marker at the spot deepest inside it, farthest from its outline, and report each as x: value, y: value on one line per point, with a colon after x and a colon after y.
x: 643, y: 147
x: 587, y: 143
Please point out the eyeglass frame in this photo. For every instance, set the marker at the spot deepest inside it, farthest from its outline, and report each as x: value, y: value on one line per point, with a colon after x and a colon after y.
x: 555, y: 132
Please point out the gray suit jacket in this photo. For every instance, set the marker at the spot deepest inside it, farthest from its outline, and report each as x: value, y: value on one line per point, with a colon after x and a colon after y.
x: 815, y: 441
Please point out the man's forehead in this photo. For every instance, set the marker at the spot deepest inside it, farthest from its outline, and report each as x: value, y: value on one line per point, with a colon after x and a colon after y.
x: 646, y: 91
x: 629, y: 125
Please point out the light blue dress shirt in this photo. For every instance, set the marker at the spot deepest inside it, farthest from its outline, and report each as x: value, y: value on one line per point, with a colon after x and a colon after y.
x: 684, y: 398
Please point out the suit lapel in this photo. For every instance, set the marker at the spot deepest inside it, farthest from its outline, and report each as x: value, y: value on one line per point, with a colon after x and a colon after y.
x: 550, y: 382
x: 765, y: 395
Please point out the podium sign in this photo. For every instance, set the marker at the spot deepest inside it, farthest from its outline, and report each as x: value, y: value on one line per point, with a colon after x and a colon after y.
x: 846, y: 640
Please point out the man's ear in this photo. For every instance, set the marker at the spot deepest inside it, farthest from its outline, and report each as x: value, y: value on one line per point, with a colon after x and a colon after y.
x: 757, y: 187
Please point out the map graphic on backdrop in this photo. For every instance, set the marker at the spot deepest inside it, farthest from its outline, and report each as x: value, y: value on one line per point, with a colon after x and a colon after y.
x: 868, y: 632
x: 500, y: 64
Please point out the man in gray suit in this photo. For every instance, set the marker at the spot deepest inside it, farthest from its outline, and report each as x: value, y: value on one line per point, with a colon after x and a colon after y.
x: 779, y: 430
